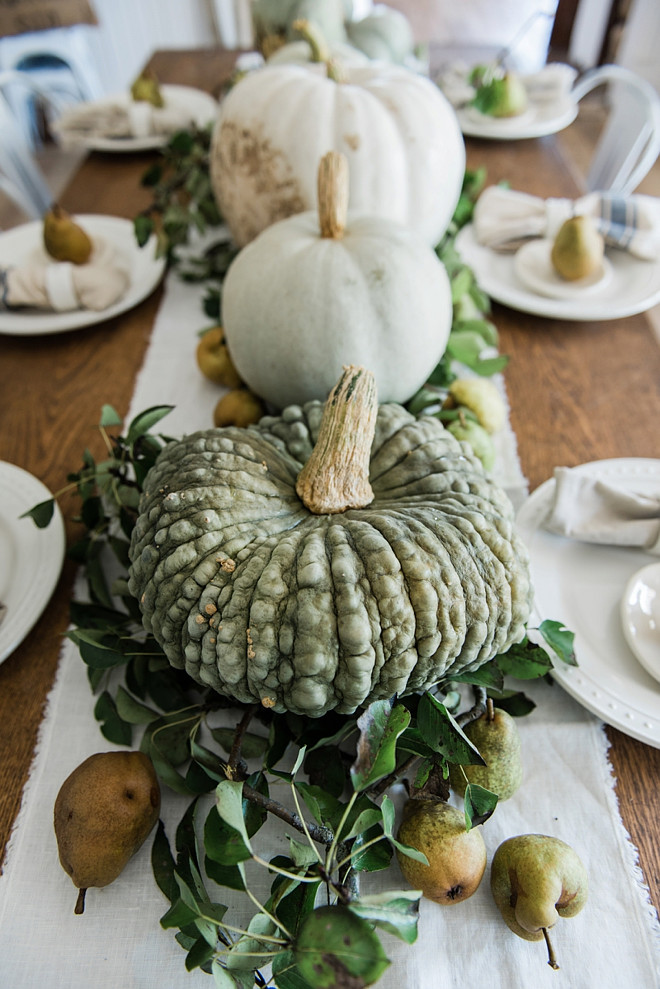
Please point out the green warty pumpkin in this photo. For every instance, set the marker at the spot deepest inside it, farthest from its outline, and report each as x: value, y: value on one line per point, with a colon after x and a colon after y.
x: 266, y: 600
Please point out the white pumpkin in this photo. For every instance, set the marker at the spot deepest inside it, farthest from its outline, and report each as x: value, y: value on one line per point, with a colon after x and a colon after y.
x: 399, y: 133
x: 318, y: 290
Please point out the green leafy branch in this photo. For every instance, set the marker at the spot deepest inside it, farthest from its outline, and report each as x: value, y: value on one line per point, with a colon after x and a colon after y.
x: 339, y: 818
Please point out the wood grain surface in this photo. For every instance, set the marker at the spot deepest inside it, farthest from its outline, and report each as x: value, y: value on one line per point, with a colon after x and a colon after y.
x: 578, y: 392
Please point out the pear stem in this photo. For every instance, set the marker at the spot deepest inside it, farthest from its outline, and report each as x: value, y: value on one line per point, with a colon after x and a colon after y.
x: 552, y: 960
x: 490, y: 709
x: 80, y: 902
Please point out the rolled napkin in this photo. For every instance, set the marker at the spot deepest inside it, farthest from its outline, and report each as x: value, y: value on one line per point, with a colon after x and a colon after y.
x: 592, y: 511
x: 117, y: 119
x: 60, y: 286
x: 504, y: 219
x: 552, y: 82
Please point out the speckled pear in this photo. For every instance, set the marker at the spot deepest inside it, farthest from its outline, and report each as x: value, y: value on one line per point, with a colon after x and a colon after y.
x: 496, y: 737
x: 456, y: 857
x: 535, y: 879
x: 103, y: 812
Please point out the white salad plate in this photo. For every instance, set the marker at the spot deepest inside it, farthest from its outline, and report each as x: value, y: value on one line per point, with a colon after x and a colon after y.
x: 633, y: 286
x: 581, y: 585
x: 30, y: 558
x: 201, y: 106
x: 640, y: 617
x: 540, y: 119
x: 18, y: 245
x: 533, y: 266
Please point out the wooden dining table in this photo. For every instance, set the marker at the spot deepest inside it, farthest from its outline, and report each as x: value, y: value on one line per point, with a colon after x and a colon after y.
x: 578, y: 392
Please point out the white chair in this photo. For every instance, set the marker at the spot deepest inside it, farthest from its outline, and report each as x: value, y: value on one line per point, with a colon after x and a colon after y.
x: 233, y: 23
x: 629, y: 144
x: 21, y: 179
x: 60, y: 60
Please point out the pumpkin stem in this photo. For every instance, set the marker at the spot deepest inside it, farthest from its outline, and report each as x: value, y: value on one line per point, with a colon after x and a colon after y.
x: 332, y: 187
x: 336, y: 476
x: 312, y: 34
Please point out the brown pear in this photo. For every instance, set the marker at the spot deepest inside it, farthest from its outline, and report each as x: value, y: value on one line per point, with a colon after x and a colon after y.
x: 577, y: 250
x: 104, y: 811
x: 456, y: 857
x: 64, y: 239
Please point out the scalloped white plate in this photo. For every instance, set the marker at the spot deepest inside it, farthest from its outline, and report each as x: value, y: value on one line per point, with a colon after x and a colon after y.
x: 634, y: 285
x: 30, y: 558
x: 18, y: 244
x: 581, y: 585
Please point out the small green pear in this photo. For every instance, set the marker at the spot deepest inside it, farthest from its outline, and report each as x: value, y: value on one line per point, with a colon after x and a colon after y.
x: 535, y: 879
x: 64, y: 239
x: 479, y: 439
x: 578, y: 248
x: 456, y: 857
x: 146, y: 89
x: 502, y: 97
x: 495, y: 735
x: 103, y: 812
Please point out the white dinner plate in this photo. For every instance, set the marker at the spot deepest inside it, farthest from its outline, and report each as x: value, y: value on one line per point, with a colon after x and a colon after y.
x: 640, y: 617
x: 146, y: 270
x: 539, y: 119
x: 634, y: 285
x: 581, y: 585
x: 202, y: 107
x: 30, y: 558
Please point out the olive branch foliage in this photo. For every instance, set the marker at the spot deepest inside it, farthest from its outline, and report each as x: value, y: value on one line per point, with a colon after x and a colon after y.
x: 326, y: 782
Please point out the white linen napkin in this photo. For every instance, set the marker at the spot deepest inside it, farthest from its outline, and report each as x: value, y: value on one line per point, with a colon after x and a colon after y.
x: 504, y: 218
x: 41, y: 283
x: 591, y: 510
x: 552, y: 82
x: 117, y: 119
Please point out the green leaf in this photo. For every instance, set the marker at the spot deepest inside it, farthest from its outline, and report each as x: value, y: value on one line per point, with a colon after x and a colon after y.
x: 387, y: 808
x: 162, y: 864
x: 143, y: 227
x: 200, y: 953
x: 131, y: 710
x: 179, y: 915
x: 335, y: 949
x: 395, y: 911
x: 40, y: 514
x: 302, y: 853
x: 112, y: 726
x: 229, y: 799
x: 325, y: 808
x: 560, y: 640
x: 374, y: 858
x: 525, y: 661
x: 479, y: 803
x: 286, y: 973
x: 223, y: 843
x: 145, y: 421
x: 514, y: 702
x: 460, y: 283
x: 252, y: 746
x: 444, y: 734
x: 380, y: 726
x: 250, y: 945
x: 109, y: 417
x: 489, y: 675
x: 223, y: 979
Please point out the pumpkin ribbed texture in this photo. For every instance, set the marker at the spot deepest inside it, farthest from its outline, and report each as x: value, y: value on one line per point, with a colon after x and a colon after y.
x: 253, y: 595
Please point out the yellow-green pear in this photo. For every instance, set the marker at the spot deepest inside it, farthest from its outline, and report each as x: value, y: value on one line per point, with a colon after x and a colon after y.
x: 535, y: 879
x: 104, y: 811
x: 496, y: 737
x: 456, y: 857
x: 503, y: 96
x: 578, y: 248
x: 146, y: 89
x: 64, y: 239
